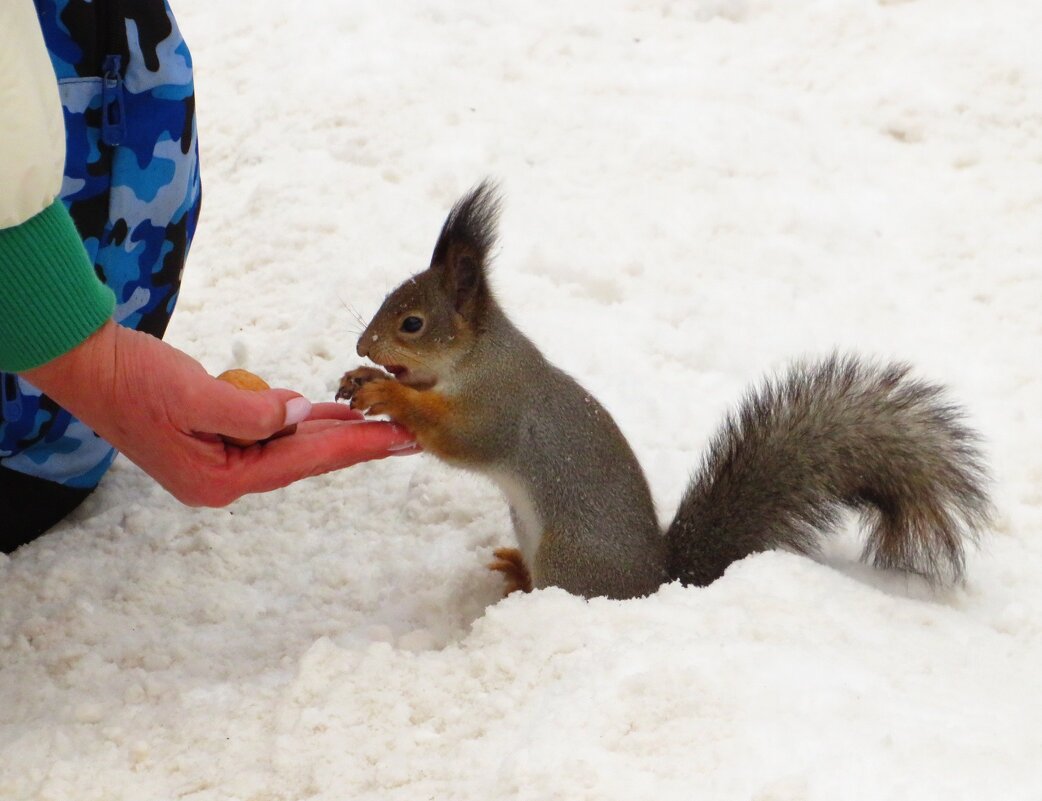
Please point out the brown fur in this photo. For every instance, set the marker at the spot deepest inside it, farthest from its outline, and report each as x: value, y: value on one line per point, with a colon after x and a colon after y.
x: 838, y: 433
x: 511, y: 564
x: 427, y: 414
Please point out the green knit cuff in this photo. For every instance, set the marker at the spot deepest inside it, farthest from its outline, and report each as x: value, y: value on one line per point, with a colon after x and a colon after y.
x: 50, y: 298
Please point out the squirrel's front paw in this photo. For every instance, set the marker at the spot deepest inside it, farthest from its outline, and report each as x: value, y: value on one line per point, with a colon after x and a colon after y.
x: 377, y: 397
x: 354, y: 380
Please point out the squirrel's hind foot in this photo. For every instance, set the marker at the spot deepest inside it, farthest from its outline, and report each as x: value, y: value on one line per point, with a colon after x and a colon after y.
x: 511, y: 564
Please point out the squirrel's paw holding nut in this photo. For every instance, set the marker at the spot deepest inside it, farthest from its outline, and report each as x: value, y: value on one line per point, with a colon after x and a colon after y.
x: 354, y: 380
x: 377, y: 397
x: 511, y: 564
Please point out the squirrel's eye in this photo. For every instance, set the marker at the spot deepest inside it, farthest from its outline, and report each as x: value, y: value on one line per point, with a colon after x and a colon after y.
x: 412, y: 324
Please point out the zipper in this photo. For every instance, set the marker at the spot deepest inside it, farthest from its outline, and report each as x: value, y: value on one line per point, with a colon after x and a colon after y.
x: 113, y: 112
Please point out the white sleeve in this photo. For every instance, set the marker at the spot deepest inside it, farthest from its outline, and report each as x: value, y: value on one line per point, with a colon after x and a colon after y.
x: 32, y: 129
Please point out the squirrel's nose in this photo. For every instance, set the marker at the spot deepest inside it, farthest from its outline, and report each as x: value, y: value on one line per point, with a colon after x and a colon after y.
x: 362, y: 349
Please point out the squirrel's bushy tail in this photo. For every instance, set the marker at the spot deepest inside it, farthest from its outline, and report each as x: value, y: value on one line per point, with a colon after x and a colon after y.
x: 828, y: 435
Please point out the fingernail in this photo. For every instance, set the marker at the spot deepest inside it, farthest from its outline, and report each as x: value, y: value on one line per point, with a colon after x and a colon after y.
x: 402, y: 446
x: 297, y: 410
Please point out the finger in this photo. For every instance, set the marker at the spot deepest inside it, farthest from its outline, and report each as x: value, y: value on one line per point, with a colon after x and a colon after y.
x: 317, y: 421
x: 315, y: 426
x: 319, y: 447
x: 216, y: 407
x: 333, y: 411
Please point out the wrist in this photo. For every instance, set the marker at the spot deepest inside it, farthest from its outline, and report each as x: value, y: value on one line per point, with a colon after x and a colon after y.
x: 80, y: 378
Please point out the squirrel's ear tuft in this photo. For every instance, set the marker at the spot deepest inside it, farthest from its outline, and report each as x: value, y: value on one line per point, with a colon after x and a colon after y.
x: 463, y: 247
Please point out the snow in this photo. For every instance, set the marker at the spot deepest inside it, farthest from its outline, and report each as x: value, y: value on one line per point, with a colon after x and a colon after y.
x: 697, y: 192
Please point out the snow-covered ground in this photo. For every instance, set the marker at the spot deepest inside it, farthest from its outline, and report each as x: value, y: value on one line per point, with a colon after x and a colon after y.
x: 696, y: 192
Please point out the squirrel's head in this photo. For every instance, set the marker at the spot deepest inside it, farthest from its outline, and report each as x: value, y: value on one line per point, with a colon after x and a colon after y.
x: 429, y: 323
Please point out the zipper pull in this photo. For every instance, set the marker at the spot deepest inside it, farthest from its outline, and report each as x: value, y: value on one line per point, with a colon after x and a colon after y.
x: 113, y: 122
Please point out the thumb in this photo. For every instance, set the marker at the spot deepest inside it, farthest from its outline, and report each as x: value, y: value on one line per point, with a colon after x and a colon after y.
x: 221, y: 408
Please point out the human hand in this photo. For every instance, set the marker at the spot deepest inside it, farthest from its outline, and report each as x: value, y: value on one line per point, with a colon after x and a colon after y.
x: 165, y: 413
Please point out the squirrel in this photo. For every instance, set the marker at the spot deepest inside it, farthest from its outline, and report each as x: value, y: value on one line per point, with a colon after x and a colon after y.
x: 478, y: 394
